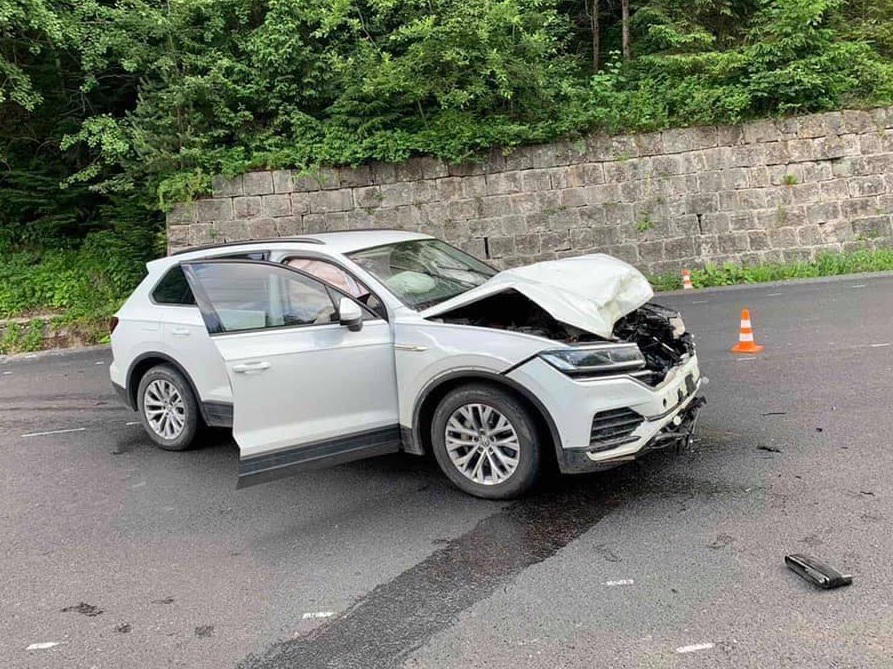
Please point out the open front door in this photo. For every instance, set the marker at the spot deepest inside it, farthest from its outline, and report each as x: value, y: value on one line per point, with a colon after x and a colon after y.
x: 308, y: 392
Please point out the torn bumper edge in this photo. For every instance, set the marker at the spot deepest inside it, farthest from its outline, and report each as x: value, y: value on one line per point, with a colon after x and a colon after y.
x: 677, y: 431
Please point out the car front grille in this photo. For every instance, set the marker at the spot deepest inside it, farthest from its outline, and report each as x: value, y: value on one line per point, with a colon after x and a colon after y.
x: 611, y: 429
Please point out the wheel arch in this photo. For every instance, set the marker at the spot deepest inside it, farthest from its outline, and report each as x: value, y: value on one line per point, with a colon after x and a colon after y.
x: 147, y: 361
x: 437, y: 389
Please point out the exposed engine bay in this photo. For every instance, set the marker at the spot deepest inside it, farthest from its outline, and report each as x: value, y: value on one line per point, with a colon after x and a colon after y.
x: 655, y: 329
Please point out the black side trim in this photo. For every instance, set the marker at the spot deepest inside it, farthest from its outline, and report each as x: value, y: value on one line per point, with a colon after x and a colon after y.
x: 121, y: 392
x: 415, y: 445
x: 218, y: 414
x: 306, y: 457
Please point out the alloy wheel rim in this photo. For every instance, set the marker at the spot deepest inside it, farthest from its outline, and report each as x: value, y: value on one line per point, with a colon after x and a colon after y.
x: 165, y: 409
x: 482, y: 444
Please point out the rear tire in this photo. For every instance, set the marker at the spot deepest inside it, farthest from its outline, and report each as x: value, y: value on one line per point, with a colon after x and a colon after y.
x: 485, y: 441
x: 168, y: 409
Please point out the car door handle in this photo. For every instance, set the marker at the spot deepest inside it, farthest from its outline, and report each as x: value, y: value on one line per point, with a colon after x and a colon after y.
x: 251, y: 367
x: 180, y: 332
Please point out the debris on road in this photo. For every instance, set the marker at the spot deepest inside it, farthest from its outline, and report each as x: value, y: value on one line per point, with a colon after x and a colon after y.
x: 622, y: 581
x: 771, y: 449
x: 166, y: 600
x: 204, y: 631
x: 84, y: 609
x: 123, y: 628
x: 816, y: 572
x: 43, y: 645
x: 721, y: 541
x: 775, y: 413
x: 694, y: 647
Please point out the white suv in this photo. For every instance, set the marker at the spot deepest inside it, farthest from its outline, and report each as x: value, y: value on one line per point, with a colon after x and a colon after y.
x: 328, y: 348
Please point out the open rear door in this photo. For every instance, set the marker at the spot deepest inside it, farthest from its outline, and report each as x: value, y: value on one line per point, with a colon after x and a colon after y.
x: 308, y: 392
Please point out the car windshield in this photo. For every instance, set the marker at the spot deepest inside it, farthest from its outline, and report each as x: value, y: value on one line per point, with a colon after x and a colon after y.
x: 423, y: 272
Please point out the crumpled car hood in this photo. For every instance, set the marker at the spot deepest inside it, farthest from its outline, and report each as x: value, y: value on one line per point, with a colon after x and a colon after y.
x: 590, y: 292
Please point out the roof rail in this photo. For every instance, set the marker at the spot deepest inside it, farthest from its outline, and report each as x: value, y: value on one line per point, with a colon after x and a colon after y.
x: 247, y: 242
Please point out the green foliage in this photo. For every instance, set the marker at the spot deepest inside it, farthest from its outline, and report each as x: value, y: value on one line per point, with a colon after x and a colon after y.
x: 825, y: 264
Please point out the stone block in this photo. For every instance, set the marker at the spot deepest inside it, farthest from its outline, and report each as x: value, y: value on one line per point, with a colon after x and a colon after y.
x: 823, y: 212
x: 474, y: 186
x: 230, y: 231
x: 728, y: 200
x: 815, y: 172
x: 710, y: 182
x: 781, y: 195
x: 247, y: 206
x: 677, y: 140
x: 495, y: 205
x: 810, y: 127
x: 536, y: 180
x: 867, y: 186
x: 729, y: 135
x: 396, y: 194
x: 528, y: 245
x: 759, y: 240
x: 858, y: 122
x: 733, y: 242
x: 870, y: 144
x: 435, y: 213
x: 873, y: 227
x: 649, y: 143
x: 759, y: 132
x: 735, y: 178
x: 801, y: 150
x: 805, y: 193
x: 262, y: 228
x: 592, y: 215
x: 555, y: 241
x: 626, y: 252
x: 300, y: 203
x: 368, y: 197
x: 665, y: 166
x: 289, y: 226
x: 742, y: 220
x: 202, y: 233
x: 679, y: 248
x: 703, y: 203
x: 582, y: 239
x: 652, y: 251
x: 518, y: 159
x: 514, y: 225
x: 222, y: 186
x: 323, y: 202
x: 257, y: 183
x: 848, y: 167
x: 274, y: 206
x: 631, y: 191
x: 524, y: 203
x: 450, y: 188
x: 355, y: 177
x: 282, y: 181
x: 751, y: 198
x: 434, y: 168
x: 602, y: 193
x: 714, y: 223
x: 758, y: 177
x: 501, y: 247
x: 484, y: 227
x: 501, y: 184
x: 809, y: 235
x: 623, y: 147
x: 617, y: 213
x: 462, y: 210
x: 792, y: 256
x: 383, y: 173
x: 181, y: 213
x: 216, y: 209
x: 177, y: 236
x: 541, y: 156
x: 425, y: 192
x: 776, y: 153
x: 783, y: 238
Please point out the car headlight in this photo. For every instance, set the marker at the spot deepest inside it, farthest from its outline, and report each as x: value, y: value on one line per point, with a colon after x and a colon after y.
x: 596, y: 359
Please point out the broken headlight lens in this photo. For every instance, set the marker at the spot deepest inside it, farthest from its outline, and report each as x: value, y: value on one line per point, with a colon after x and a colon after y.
x: 599, y: 359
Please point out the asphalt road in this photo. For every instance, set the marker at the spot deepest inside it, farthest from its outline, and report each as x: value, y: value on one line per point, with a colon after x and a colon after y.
x: 127, y: 556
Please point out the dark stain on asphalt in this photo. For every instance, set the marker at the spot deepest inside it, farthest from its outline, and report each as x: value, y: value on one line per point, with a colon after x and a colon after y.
x: 398, y: 617
x: 204, y: 631
x: 123, y: 628
x: 84, y: 609
x: 166, y: 600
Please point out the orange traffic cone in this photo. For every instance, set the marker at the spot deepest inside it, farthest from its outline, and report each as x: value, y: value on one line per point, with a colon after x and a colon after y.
x: 686, y: 280
x: 746, y: 344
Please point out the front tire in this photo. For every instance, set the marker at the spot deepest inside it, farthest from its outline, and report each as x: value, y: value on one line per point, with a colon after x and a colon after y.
x: 485, y: 441
x: 168, y: 409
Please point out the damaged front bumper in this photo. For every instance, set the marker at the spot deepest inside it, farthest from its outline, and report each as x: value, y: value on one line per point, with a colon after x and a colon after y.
x: 606, y: 422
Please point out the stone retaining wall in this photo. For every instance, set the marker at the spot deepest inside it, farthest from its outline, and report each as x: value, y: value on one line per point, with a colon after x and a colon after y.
x: 764, y: 191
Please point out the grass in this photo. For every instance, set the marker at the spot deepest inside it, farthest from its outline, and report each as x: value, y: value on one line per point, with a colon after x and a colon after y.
x: 826, y: 264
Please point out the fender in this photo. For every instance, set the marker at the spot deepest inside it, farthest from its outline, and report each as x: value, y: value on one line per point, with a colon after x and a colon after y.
x: 415, y: 445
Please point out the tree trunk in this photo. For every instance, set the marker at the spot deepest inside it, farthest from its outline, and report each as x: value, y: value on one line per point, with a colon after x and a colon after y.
x: 596, y: 35
x: 624, y: 9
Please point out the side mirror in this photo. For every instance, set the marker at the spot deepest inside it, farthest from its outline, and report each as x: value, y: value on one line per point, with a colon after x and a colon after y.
x: 350, y: 315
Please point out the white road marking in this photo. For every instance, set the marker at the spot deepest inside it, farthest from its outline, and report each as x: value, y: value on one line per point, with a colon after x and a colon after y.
x: 138, y: 485
x: 622, y: 581
x: 859, y: 285
x: 774, y: 294
x: 694, y: 647
x: 317, y: 614
x: 43, y: 645
x: 99, y: 363
x: 43, y: 434
x: 6, y: 373
x: 701, y: 302
x: 880, y: 345
x: 31, y: 357
x: 133, y: 422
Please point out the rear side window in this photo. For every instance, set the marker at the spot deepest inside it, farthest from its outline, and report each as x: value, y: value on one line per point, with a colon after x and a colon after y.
x: 173, y: 288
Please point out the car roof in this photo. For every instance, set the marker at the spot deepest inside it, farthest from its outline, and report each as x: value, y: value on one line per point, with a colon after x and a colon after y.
x: 344, y: 242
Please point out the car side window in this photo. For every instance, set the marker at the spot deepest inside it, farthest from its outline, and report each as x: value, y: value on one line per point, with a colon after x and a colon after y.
x: 340, y: 278
x: 173, y: 289
x: 249, y: 296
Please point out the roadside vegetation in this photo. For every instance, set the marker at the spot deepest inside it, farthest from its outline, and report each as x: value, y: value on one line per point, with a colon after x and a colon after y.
x: 110, y: 112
